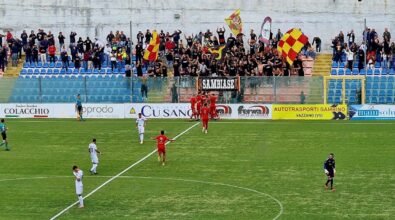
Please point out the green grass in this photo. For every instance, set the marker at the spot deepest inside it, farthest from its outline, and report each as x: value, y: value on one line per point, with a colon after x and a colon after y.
x: 280, y: 158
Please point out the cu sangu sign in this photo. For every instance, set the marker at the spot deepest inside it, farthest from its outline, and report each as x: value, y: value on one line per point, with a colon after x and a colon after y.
x: 218, y: 83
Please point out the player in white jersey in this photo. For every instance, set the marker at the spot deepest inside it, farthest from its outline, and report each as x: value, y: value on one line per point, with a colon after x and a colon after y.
x: 79, y: 187
x: 93, y: 151
x: 141, y: 122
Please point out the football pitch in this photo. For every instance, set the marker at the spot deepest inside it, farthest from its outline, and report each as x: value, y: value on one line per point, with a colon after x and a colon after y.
x: 246, y: 169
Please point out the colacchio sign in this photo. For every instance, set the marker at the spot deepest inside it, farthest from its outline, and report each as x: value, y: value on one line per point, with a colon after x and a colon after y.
x: 25, y: 111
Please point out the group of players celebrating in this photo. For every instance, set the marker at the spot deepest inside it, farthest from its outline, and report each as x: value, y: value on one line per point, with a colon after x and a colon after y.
x: 203, y: 106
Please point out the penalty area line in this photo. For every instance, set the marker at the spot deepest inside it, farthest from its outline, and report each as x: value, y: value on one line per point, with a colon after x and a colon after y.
x: 119, y: 174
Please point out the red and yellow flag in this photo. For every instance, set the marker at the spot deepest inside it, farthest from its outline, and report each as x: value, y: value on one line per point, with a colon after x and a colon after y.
x: 234, y: 22
x: 152, y: 50
x: 291, y: 44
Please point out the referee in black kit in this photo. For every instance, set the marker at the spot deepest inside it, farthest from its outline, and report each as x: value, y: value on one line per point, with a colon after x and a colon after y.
x: 329, y: 168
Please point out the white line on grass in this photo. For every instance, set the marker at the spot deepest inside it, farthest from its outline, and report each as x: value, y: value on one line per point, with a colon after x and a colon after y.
x: 174, y: 179
x: 119, y: 174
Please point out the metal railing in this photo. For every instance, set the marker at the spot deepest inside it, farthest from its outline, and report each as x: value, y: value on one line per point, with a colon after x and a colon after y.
x: 292, y: 89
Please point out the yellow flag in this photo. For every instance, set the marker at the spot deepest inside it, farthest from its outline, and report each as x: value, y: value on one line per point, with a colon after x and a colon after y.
x: 234, y: 22
x: 152, y: 50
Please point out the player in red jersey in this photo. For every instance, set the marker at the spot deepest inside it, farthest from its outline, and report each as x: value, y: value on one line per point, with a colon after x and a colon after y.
x: 198, y: 104
x: 204, y: 98
x: 204, y: 115
x: 213, y: 109
x: 193, y: 108
x: 161, y: 144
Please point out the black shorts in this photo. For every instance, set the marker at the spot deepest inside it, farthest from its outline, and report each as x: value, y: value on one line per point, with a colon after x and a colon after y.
x: 4, y: 135
x: 331, y: 174
x: 79, y: 108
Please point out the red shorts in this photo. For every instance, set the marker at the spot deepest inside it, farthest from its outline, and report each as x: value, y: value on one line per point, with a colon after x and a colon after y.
x: 161, y: 150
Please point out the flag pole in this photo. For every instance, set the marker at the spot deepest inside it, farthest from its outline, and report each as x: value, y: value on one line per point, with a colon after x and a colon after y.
x: 131, y: 41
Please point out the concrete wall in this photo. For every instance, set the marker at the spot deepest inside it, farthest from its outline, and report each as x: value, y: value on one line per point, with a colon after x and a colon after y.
x: 322, y: 18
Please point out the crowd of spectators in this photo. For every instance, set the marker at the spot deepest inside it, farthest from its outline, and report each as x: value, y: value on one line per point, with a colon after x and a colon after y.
x: 181, y: 54
x: 84, y: 53
x: 372, y: 50
x: 243, y: 56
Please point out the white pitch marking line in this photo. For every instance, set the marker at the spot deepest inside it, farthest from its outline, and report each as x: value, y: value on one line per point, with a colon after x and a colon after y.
x: 173, y: 179
x: 119, y: 174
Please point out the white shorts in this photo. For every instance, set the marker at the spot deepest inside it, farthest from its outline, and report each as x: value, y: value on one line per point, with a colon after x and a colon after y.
x: 141, y: 129
x: 79, y: 188
x: 95, y: 159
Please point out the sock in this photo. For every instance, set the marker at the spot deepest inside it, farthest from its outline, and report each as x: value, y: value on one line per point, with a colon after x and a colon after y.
x: 81, y: 200
x: 6, y: 145
x: 327, y: 182
x: 94, y: 167
x: 142, y: 137
x: 331, y: 183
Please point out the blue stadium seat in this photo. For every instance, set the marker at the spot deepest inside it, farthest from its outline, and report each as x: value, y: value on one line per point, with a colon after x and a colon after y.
x: 381, y: 100
x: 52, y: 65
x: 377, y: 72
x: 382, y: 93
x: 45, y: 65
x: 39, y: 65
x: 389, y: 100
x: 374, y: 100
x: 348, y: 72
x: 58, y: 65
x: 106, y: 98
x: 369, y: 72
x: 43, y: 71
x: 340, y: 72
x: 23, y: 72
x: 26, y: 65
x: 362, y: 72
x: 56, y: 71
x: 375, y: 93
x: 342, y: 65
